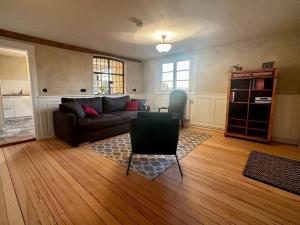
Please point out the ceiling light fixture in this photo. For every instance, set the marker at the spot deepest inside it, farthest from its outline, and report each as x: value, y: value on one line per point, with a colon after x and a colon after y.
x: 163, y: 47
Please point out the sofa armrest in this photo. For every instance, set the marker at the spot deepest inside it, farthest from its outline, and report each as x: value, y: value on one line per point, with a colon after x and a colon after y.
x: 64, y: 127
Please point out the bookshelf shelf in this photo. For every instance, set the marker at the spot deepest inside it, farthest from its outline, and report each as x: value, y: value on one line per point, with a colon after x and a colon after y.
x: 251, y: 98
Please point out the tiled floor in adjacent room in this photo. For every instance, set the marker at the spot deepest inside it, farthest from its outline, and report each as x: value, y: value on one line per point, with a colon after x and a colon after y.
x: 17, y: 129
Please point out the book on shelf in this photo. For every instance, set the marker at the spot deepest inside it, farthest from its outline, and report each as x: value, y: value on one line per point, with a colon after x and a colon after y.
x: 263, y: 100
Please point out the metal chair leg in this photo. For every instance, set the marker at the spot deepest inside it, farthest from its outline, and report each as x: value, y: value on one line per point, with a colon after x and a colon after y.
x: 182, y: 124
x: 130, y: 157
x: 179, y: 166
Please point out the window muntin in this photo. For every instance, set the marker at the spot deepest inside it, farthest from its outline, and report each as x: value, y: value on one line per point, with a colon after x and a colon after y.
x: 175, y: 75
x: 108, y: 76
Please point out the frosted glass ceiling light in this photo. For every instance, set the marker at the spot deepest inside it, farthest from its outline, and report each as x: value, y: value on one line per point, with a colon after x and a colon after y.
x: 163, y: 47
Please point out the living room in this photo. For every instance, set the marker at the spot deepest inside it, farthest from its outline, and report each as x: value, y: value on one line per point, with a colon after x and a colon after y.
x: 235, y: 65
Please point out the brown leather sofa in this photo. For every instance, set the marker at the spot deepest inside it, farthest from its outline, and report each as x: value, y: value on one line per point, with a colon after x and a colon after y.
x: 114, y: 119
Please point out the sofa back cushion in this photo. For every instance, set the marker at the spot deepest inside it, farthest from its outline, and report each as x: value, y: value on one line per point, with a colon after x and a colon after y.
x: 72, y: 107
x: 95, y: 103
x: 115, y: 104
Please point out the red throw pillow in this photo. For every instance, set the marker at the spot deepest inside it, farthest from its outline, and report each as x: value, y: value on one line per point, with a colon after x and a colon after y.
x: 132, y: 106
x: 90, y: 111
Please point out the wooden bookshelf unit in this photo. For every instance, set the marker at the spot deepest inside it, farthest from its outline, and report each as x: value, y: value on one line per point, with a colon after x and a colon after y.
x: 250, y: 104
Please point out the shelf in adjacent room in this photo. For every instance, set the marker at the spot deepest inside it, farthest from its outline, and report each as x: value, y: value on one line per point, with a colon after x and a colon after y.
x: 256, y: 103
x: 239, y: 102
x: 259, y: 121
x: 261, y: 89
x: 258, y: 129
x: 239, y: 89
x: 236, y: 126
x: 232, y: 118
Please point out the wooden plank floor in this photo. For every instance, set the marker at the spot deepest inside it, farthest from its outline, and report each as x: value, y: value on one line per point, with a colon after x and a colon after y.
x: 48, y: 182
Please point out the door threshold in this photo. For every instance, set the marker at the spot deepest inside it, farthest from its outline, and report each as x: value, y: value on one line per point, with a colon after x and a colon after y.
x: 17, y: 142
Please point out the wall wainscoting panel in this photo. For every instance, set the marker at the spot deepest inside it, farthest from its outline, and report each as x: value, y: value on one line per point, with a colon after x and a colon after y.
x: 286, y: 125
x: 209, y: 111
x: 203, y: 110
x: 200, y: 111
x: 47, y: 105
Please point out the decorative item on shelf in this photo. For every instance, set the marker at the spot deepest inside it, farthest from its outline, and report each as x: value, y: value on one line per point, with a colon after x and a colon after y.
x: 263, y: 100
x: 134, y: 90
x: 20, y: 92
x: 83, y: 90
x: 267, y: 65
x: 232, y: 94
x: 259, y: 84
x: 236, y: 67
x: 163, y: 47
x: 45, y: 90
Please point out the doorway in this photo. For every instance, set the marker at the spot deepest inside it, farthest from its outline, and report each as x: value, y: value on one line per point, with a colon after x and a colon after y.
x: 16, y: 105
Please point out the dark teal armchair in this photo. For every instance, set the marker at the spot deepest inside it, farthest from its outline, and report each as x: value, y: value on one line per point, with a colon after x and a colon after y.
x: 154, y: 133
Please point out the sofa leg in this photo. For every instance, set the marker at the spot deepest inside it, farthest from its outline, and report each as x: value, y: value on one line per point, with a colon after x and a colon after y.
x: 129, y: 161
x: 179, y: 166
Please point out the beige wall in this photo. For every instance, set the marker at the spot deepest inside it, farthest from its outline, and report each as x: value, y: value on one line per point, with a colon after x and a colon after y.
x: 14, y: 75
x: 65, y: 72
x: 133, y: 79
x: 211, y: 65
x: 13, y: 68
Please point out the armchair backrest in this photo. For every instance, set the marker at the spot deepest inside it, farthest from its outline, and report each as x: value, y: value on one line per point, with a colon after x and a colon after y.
x: 177, y: 102
x: 154, y: 133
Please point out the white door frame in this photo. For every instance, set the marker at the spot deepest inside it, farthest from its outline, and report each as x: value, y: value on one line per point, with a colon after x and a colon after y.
x: 10, y: 44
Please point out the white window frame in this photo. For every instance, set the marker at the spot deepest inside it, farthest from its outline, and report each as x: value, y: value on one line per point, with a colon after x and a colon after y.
x: 174, y: 61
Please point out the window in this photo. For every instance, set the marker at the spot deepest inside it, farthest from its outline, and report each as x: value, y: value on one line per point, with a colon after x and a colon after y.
x: 176, y: 75
x: 108, y: 76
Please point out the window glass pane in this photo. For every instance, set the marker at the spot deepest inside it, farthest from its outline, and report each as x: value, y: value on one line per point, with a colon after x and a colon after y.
x: 116, y: 67
x: 103, y: 66
x: 167, y: 67
x: 182, y: 85
x: 108, y: 76
x: 183, y: 65
x: 167, y: 85
x: 116, y: 84
x: 167, y: 76
x: 183, y: 75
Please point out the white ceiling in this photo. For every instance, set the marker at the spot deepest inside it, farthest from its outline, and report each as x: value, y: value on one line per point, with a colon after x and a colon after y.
x: 104, y: 24
x: 12, y: 52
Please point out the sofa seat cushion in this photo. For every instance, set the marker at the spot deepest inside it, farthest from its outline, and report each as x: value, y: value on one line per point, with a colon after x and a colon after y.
x: 125, y: 116
x: 88, y: 124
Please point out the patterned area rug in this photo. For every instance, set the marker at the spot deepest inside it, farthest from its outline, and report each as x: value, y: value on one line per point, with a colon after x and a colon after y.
x: 276, y: 171
x: 151, y: 166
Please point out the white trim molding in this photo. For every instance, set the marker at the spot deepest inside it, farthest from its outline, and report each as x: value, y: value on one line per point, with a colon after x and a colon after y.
x: 32, y: 76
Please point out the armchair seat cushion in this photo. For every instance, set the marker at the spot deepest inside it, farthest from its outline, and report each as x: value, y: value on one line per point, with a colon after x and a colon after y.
x: 94, y: 123
x: 125, y: 116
